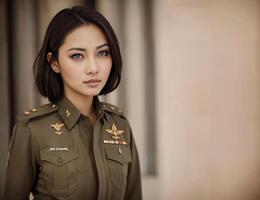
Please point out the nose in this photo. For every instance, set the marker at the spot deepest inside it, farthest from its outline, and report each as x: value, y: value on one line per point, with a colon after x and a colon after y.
x: 91, y: 66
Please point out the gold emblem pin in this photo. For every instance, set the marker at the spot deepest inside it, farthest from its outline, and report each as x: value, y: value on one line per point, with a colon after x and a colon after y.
x: 67, y: 113
x: 57, y: 127
x: 115, y: 132
x: 26, y: 113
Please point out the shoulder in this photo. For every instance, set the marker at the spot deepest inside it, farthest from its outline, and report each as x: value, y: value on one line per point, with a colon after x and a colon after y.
x: 22, y: 132
x: 112, y: 109
x: 116, y: 115
x: 35, y: 113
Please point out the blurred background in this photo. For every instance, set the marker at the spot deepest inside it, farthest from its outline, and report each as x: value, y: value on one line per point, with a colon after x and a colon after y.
x: 190, y: 88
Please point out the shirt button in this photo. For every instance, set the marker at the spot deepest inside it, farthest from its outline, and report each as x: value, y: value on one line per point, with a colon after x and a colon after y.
x: 60, y: 160
x: 26, y: 113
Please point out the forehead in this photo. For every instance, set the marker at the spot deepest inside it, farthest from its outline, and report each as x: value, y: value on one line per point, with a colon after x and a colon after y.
x: 87, y: 35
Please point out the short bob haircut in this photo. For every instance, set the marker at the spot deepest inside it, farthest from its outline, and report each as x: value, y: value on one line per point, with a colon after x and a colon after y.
x: 49, y: 83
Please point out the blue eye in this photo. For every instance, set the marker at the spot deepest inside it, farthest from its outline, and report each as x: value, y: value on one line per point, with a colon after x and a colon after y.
x: 76, y: 56
x: 103, y: 53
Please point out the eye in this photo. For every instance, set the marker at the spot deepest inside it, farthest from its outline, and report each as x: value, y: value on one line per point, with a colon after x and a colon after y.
x: 103, y: 53
x: 76, y: 56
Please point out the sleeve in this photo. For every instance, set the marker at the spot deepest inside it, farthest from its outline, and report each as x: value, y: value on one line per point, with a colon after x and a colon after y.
x: 21, y: 167
x: 134, y: 186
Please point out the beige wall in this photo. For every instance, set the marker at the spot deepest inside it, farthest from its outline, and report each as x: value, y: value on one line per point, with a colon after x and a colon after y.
x: 208, y: 95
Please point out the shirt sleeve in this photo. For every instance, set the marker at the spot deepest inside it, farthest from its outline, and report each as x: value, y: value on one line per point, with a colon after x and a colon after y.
x: 134, y: 186
x: 21, y: 167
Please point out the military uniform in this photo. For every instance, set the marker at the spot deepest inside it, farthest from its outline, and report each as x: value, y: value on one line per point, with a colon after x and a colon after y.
x: 56, y: 153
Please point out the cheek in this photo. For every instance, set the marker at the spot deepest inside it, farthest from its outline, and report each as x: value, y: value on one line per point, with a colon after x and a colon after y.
x: 69, y: 73
x: 107, y: 72
x: 68, y: 69
x: 107, y: 67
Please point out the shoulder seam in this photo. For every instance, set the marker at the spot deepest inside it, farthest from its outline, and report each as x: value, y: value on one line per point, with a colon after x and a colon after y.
x: 112, y: 108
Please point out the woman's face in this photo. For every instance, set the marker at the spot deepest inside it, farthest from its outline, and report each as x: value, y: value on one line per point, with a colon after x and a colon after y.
x: 84, y: 61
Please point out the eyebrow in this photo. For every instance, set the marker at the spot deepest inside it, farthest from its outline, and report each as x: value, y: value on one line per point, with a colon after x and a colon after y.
x: 102, y: 45
x: 82, y: 49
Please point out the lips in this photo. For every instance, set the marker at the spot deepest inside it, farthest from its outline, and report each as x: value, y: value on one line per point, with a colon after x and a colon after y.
x: 92, y: 82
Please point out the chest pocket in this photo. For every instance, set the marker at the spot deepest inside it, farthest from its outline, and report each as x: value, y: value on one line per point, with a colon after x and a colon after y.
x: 59, y: 170
x: 118, y: 158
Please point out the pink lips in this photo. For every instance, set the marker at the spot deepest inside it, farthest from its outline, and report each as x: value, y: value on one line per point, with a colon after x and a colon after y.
x: 93, y: 82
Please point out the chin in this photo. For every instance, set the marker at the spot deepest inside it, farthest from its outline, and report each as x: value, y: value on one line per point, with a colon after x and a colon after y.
x: 86, y: 91
x: 91, y: 93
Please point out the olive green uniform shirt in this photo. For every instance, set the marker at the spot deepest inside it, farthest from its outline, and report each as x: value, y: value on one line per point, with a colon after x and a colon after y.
x: 56, y: 153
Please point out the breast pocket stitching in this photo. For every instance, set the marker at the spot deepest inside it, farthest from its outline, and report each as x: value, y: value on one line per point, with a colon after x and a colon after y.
x: 118, y: 165
x: 60, y: 171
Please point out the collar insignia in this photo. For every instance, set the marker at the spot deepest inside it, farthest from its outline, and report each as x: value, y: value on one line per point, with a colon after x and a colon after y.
x: 67, y: 113
x: 115, y: 132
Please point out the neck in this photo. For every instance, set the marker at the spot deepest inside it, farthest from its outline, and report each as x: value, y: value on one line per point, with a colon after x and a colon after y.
x: 84, y: 104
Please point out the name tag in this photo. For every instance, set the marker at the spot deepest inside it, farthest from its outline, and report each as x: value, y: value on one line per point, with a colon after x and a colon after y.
x: 58, y: 148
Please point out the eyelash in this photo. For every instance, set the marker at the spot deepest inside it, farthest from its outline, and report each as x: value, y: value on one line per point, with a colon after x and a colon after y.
x: 74, y: 56
x: 106, y: 52
x: 99, y: 54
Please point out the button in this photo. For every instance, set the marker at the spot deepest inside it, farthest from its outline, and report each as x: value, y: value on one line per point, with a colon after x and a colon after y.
x: 26, y: 113
x: 60, y: 160
x: 34, y: 110
x: 53, y: 105
x: 112, y: 107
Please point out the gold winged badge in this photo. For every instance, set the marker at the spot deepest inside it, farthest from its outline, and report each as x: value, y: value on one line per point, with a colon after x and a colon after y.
x: 115, y: 132
x: 57, y: 127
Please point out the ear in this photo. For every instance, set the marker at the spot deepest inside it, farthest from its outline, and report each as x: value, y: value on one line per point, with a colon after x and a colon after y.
x: 54, y: 64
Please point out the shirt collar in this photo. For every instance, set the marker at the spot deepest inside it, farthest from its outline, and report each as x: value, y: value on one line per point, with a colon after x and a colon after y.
x: 70, y: 114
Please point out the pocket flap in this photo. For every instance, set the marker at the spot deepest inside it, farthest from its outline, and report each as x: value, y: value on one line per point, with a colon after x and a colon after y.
x: 58, y: 157
x: 122, y: 156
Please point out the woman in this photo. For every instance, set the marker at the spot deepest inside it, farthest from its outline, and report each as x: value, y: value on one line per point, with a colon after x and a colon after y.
x: 75, y: 147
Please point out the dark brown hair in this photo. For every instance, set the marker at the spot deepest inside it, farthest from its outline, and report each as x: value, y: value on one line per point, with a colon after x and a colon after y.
x: 48, y: 82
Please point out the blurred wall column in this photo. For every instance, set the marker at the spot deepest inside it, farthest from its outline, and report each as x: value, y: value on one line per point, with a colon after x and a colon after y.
x: 4, y: 88
x: 24, y: 36
x: 46, y: 11
x: 134, y: 74
x: 17, y: 53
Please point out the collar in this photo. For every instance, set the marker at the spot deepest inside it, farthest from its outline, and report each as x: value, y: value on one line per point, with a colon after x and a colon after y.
x: 70, y: 114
